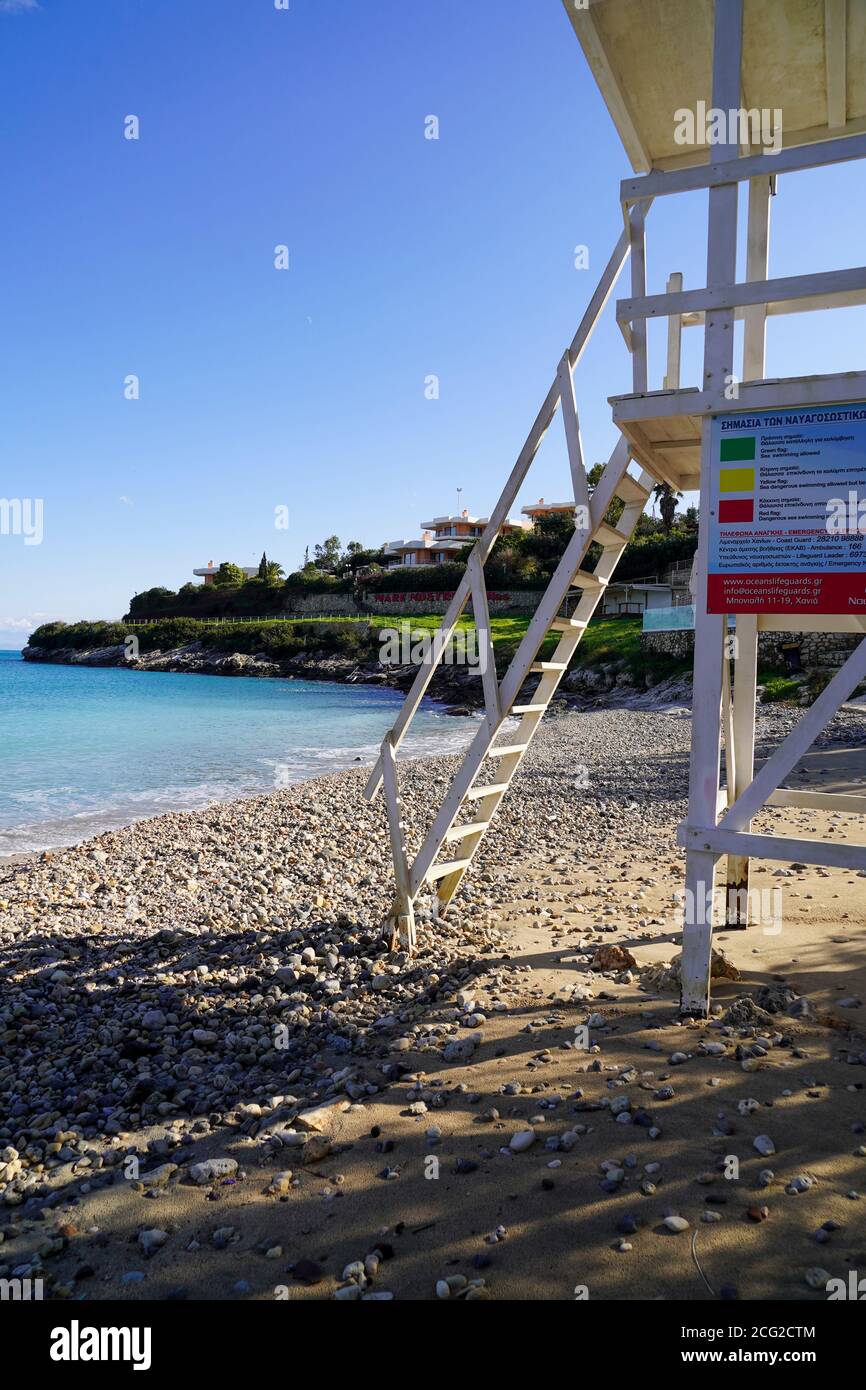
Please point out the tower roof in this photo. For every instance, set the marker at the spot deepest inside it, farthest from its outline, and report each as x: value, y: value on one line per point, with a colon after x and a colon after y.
x: 652, y: 58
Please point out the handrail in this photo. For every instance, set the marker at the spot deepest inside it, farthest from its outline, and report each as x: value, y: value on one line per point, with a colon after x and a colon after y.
x: 486, y: 541
x: 661, y: 182
x: 825, y: 283
x: 266, y: 618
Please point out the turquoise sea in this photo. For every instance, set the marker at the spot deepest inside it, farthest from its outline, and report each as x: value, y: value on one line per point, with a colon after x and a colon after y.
x: 86, y: 749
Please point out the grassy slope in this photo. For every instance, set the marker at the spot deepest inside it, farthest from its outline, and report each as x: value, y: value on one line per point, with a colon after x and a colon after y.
x: 607, y: 640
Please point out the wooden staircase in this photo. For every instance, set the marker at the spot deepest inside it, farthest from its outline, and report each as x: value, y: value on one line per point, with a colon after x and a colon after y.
x: 488, y: 766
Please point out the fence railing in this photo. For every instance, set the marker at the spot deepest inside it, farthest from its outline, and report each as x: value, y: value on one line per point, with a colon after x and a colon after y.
x: 268, y: 618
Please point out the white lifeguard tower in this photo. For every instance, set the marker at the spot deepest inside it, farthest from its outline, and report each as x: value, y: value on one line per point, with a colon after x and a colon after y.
x: 765, y: 454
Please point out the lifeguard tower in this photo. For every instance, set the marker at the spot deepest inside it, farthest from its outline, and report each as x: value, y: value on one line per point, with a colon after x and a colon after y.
x: 767, y: 456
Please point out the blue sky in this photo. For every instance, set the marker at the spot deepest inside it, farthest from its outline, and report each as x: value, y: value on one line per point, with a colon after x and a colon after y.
x: 409, y: 257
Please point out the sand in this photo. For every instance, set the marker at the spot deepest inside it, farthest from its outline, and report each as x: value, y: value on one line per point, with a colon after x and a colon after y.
x: 562, y: 1231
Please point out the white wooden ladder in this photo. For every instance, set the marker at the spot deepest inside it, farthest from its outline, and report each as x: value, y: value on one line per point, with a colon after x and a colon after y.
x: 488, y: 765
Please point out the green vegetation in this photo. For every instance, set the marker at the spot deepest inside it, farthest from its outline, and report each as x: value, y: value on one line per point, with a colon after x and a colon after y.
x: 406, y: 579
x: 614, y: 641
x: 607, y: 641
x: 780, y: 687
x: 783, y: 685
x: 519, y: 560
x: 653, y: 552
x: 229, y: 576
x: 277, y: 640
x: 334, y: 569
x: 206, y: 613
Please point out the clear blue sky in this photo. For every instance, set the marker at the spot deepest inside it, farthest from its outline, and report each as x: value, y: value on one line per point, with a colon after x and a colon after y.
x: 409, y: 257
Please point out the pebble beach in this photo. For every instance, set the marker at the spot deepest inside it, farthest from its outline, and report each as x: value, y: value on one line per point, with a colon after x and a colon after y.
x: 216, y: 1081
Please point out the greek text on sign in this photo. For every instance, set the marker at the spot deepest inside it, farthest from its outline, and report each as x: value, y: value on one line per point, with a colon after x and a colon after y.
x: 788, y: 511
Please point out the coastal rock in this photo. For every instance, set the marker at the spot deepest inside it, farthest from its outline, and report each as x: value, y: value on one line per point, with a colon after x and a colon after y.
x: 677, y: 1224
x: 320, y: 1117
x: 523, y: 1140
x: 212, y: 1169
x: 612, y: 958
x: 152, y: 1240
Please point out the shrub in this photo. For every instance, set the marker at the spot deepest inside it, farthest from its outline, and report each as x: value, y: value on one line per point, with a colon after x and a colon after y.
x: 278, y: 640
x: 79, y: 636
x: 152, y: 601
x: 411, y: 578
x: 656, y: 553
x: 313, y: 581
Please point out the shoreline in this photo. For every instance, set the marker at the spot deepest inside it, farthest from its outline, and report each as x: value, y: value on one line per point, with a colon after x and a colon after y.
x: 357, y: 763
x: 454, y: 687
x: 353, y: 763
x: 457, y: 688
x: 89, y: 816
x: 216, y: 983
x: 193, y: 660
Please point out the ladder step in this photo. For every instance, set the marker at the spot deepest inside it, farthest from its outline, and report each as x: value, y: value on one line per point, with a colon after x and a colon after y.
x: 460, y: 832
x: 584, y: 580
x: 450, y: 866
x: 628, y: 489
x: 476, y: 793
x: 568, y: 624
x: 505, y: 749
x: 527, y: 709
x: 540, y: 667
x: 609, y: 537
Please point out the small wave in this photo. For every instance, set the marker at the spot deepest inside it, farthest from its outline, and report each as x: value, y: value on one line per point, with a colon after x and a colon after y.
x: 83, y: 815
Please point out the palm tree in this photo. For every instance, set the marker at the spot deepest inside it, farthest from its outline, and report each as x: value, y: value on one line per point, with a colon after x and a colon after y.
x: 667, y: 498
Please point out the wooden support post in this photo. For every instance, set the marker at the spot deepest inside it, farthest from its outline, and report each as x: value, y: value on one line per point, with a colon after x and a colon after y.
x: 710, y: 627
x: 746, y: 648
x: 637, y: 242
x: 797, y: 742
x: 835, y: 50
x: 485, y: 643
x: 699, y: 901
x: 573, y: 441
x: 757, y: 268
x: 675, y: 336
x: 403, y: 916
x: 728, y: 723
x: 743, y: 741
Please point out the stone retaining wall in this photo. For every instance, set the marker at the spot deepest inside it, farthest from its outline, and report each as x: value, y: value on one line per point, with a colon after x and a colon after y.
x: 400, y: 603
x: 818, y: 650
x: 324, y: 605
x: 499, y: 601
